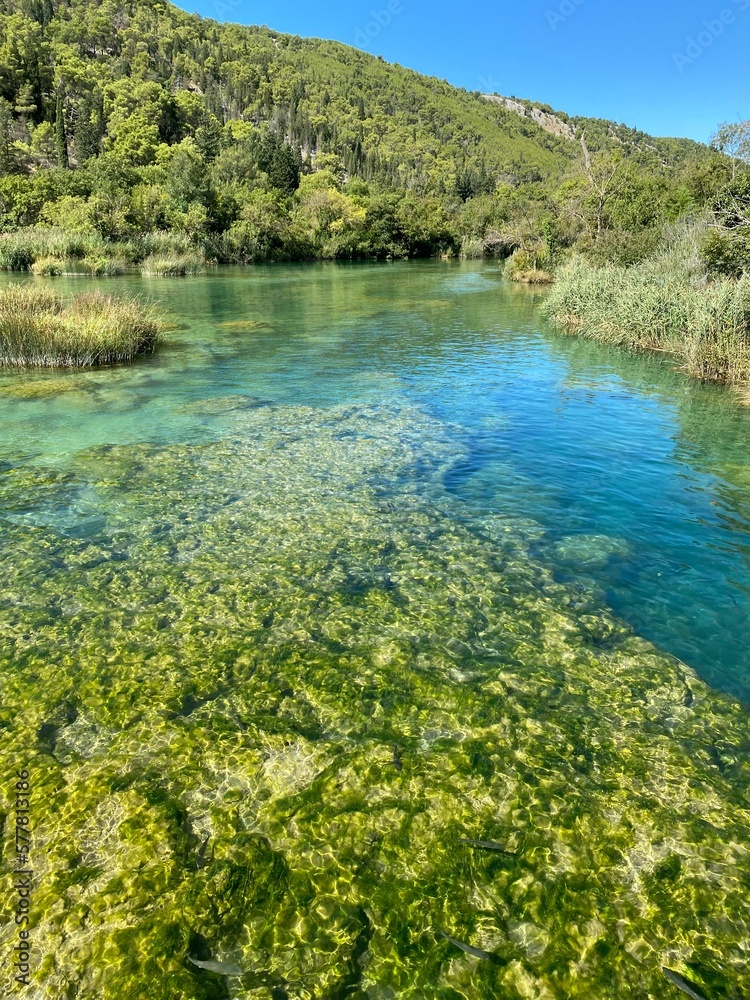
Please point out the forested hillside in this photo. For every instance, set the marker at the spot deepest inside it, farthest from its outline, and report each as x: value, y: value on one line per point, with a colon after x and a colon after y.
x: 125, y: 120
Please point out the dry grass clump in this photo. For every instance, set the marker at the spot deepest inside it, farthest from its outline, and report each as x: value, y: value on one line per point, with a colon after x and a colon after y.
x: 40, y: 329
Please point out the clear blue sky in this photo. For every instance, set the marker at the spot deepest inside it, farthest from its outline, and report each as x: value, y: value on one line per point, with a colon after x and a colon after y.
x: 669, y: 67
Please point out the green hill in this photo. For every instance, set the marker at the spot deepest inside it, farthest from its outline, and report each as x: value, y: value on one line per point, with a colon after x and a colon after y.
x: 126, y: 117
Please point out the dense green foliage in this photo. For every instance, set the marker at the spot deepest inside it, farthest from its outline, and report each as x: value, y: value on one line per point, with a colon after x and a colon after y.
x: 37, y: 328
x: 129, y: 117
x: 683, y: 289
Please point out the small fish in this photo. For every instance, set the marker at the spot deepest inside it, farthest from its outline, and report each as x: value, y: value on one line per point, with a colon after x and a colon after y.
x: 470, y: 949
x: 397, y: 762
x: 201, y: 861
x: 220, y: 968
x: 682, y: 984
x: 487, y: 845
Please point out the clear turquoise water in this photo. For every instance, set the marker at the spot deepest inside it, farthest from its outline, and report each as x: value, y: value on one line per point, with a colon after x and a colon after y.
x: 584, y: 440
x: 365, y: 568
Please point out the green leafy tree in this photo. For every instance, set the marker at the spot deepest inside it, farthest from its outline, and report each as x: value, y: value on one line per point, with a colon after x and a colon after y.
x: 733, y: 139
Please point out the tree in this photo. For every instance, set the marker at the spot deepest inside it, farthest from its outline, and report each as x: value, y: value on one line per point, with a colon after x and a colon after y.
x: 280, y: 162
x: 6, y: 147
x: 465, y: 185
x: 61, y: 138
x: 604, y: 173
x: 90, y: 126
x: 733, y: 139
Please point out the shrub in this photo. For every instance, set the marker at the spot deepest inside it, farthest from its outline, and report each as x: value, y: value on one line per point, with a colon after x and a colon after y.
x: 624, y: 246
x: 38, y: 328
x: 726, y: 252
x: 172, y: 265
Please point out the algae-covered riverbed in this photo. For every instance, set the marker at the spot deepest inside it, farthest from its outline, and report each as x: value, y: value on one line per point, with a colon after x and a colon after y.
x: 363, y: 568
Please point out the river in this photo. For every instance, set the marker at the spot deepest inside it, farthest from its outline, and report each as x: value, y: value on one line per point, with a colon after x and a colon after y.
x: 364, y: 567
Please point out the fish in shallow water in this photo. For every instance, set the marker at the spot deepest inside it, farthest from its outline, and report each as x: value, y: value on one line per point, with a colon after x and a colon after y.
x: 470, y: 949
x: 682, y: 984
x: 487, y: 845
x: 220, y: 968
x: 397, y: 762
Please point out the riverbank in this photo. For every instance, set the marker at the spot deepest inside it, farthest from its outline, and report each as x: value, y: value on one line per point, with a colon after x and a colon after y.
x: 667, y: 303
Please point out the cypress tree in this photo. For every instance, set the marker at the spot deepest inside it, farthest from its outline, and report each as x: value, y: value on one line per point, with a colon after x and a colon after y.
x: 61, y: 138
x: 284, y: 170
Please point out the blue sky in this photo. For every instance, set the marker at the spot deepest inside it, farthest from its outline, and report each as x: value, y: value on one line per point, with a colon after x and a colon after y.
x: 667, y: 67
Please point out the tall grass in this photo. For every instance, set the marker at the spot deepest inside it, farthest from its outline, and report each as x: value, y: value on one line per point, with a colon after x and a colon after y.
x: 666, y: 303
x: 172, y: 265
x: 50, y: 251
x: 160, y: 242
x: 39, y: 329
x: 472, y: 248
x: 20, y: 250
x: 528, y: 268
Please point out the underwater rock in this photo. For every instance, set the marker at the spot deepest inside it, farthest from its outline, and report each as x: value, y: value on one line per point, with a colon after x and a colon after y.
x: 23, y: 388
x: 589, y: 551
x: 222, y: 404
x: 242, y: 325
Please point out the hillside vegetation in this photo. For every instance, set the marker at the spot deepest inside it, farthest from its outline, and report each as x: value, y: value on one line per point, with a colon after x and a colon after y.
x: 131, y: 130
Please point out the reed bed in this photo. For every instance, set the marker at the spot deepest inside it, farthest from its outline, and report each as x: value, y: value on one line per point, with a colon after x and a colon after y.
x: 666, y: 304
x: 528, y: 268
x: 40, y: 329
x: 50, y: 251
x: 172, y: 265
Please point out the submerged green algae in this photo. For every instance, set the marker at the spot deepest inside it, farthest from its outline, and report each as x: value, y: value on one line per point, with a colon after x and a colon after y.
x: 268, y: 695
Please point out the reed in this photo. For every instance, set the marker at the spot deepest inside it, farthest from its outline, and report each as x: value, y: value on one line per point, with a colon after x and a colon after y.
x: 21, y: 250
x: 667, y: 303
x: 172, y: 265
x: 40, y: 329
x: 529, y: 268
x: 472, y: 248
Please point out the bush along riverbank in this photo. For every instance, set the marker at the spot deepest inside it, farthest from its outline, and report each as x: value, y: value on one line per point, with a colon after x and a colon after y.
x: 679, y: 300
x: 40, y: 329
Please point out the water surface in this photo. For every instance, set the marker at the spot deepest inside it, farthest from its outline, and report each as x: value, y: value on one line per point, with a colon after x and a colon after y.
x: 364, y: 563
